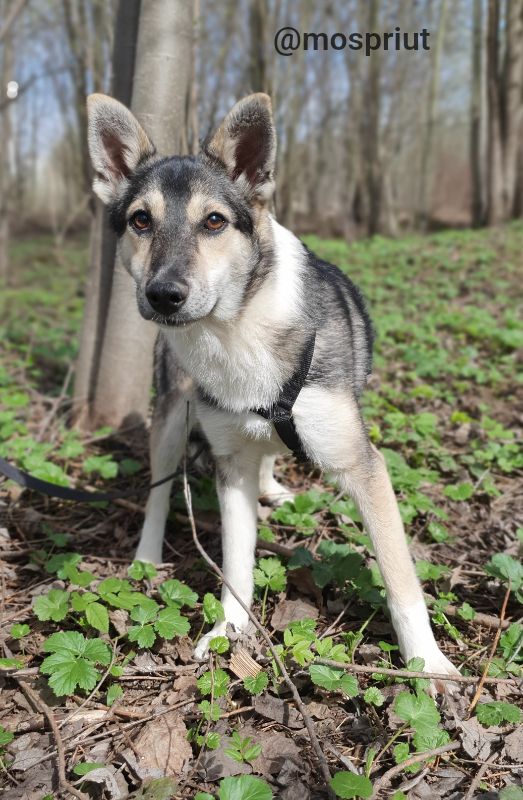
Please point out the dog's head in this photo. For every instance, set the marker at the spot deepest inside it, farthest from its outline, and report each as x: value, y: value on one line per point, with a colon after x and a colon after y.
x: 190, y: 228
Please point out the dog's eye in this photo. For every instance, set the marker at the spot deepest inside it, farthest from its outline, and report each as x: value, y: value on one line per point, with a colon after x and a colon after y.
x: 215, y: 222
x: 140, y: 221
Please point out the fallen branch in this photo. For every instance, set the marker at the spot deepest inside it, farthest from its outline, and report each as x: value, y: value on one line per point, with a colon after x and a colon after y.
x: 259, y: 627
x: 407, y: 673
x: 37, y: 701
x: 385, y: 779
x: 483, y: 678
x: 479, y: 775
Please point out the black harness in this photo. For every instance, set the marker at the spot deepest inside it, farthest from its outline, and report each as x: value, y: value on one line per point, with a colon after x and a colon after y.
x: 280, y: 413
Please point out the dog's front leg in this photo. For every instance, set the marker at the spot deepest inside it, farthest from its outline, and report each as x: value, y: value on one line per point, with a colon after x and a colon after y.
x: 237, y: 485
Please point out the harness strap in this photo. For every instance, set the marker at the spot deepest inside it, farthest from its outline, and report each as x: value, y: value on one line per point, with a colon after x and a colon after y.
x: 280, y: 414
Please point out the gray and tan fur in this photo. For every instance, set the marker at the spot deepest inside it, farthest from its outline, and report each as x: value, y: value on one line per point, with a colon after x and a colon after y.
x: 236, y: 296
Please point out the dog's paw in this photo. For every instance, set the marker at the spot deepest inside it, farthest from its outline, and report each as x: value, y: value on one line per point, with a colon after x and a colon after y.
x: 201, y: 651
x: 274, y: 494
x: 150, y: 555
x: 439, y: 664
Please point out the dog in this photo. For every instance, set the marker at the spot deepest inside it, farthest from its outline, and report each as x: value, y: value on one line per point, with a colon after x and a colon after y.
x: 244, y: 311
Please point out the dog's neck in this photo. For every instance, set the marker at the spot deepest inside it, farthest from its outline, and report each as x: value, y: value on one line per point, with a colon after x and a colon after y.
x: 244, y: 362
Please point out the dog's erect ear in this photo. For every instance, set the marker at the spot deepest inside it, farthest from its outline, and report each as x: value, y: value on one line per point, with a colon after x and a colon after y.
x: 245, y: 143
x: 117, y: 144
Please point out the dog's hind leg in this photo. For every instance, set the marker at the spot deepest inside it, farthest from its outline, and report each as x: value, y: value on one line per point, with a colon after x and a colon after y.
x: 331, y: 428
x: 272, y: 490
x: 168, y: 438
x: 237, y: 485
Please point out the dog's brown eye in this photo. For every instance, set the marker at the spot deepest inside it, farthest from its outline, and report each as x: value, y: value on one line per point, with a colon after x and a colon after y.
x: 141, y: 221
x: 215, y: 222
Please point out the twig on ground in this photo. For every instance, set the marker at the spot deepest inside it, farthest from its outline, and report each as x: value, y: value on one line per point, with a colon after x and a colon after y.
x: 385, y: 779
x: 486, y: 620
x: 37, y: 701
x: 483, y: 678
x: 259, y: 627
x: 407, y: 673
x: 479, y: 775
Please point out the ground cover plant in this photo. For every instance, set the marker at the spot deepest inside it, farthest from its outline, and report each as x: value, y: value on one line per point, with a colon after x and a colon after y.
x: 100, y: 695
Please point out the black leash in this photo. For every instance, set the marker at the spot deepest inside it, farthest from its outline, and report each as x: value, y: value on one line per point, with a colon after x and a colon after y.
x: 280, y: 414
x: 64, y: 492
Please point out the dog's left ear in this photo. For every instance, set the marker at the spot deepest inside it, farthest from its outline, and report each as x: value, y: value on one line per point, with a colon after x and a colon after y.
x: 245, y: 143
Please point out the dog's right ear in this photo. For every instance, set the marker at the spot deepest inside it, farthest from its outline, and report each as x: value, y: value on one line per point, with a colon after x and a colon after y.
x: 117, y: 144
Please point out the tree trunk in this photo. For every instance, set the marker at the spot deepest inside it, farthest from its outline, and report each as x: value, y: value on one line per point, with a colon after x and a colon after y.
x: 371, y: 130
x: 103, y: 240
x: 6, y: 159
x: 494, y: 147
x: 475, y: 119
x: 258, y: 19
x: 512, y: 102
x: 432, y: 98
x: 121, y: 387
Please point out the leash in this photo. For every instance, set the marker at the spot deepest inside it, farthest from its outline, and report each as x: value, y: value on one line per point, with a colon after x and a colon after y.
x: 64, y: 492
x: 280, y: 414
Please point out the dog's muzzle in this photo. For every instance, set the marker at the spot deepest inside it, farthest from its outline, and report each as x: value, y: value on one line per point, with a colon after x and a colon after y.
x: 166, y: 297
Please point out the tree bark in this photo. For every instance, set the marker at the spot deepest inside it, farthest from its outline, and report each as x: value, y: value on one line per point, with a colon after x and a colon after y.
x: 371, y: 130
x: 102, y: 250
x: 428, y: 139
x: 475, y: 119
x: 512, y: 102
x: 122, y: 385
x: 6, y: 160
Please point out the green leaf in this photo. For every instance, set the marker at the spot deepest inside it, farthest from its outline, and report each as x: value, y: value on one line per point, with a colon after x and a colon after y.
x: 257, y: 684
x: 10, y: 663
x: 506, y: 568
x: 171, y: 623
x: 101, y: 465
x: 86, y: 767
x: 244, y: 787
x: 511, y: 641
x: 466, y: 612
x: 220, y: 644
x: 203, y: 795
x: 374, y: 696
x: 270, y: 572
x: 418, y: 710
x: 348, y: 785
x: 140, y: 570
x: 401, y: 752
x: 176, y: 593
x: 212, y: 609
x: 333, y: 679
x: 5, y: 736
x: 216, y: 682
x: 60, y: 561
x: 511, y: 793
x: 80, y: 601
x: 19, y: 630
x: 113, y: 693
x: 52, y: 606
x: 143, y: 635
x: 430, y: 739
x: 97, y: 616
x: 66, y: 673
x: 129, y: 466
x: 430, y: 572
x: 210, y: 712
x: 497, y: 712
x: 463, y: 491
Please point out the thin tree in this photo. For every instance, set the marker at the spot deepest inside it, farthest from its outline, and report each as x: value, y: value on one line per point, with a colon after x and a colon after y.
x: 118, y: 390
x: 475, y: 117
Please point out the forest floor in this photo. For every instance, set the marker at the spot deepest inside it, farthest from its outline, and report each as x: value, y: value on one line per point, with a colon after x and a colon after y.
x: 100, y: 695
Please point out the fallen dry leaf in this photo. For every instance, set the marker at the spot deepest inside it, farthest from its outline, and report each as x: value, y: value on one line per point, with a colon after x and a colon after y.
x: 291, y: 610
x: 161, y: 748
x: 278, y: 710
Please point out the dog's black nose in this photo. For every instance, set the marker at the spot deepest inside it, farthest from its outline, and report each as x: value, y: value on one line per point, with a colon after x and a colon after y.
x: 166, y: 297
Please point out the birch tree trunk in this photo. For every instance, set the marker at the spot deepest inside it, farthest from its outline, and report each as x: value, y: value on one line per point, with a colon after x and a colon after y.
x: 6, y: 158
x: 120, y: 389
